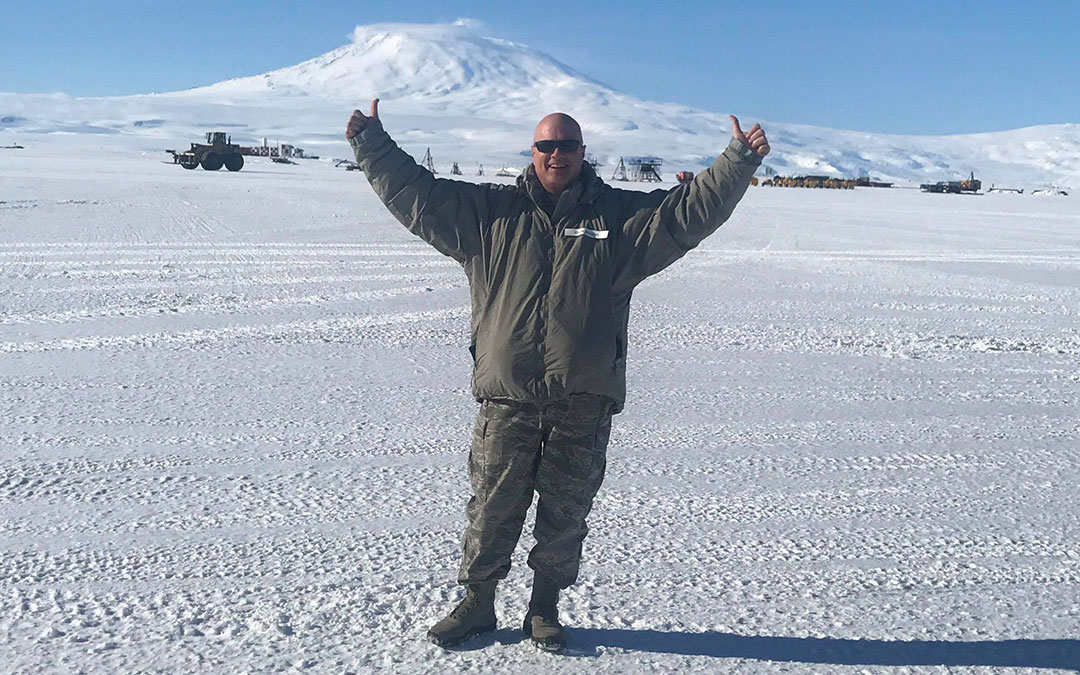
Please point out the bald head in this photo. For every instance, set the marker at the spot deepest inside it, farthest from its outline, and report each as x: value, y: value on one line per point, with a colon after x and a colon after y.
x: 560, y: 167
x: 557, y: 126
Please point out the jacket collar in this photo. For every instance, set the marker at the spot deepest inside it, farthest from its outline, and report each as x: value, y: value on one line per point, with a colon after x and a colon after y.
x: 585, y: 189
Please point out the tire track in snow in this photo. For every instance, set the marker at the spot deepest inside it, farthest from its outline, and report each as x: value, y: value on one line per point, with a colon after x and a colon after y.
x: 77, y: 257
x: 990, y: 257
x: 294, y: 493
x: 281, y: 495
x: 820, y: 435
x: 81, y: 250
x: 175, y: 304
x: 174, y: 281
x: 107, y: 247
x: 755, y: 581
x: 895, y: 546
x: 789, y: 338
x: 639, y: 463
x: 845, y: 503
x: 25, y: 264
x: 173, y: 262
x: 168, y: 271
x: 703, y: 257
x: 274, y: 332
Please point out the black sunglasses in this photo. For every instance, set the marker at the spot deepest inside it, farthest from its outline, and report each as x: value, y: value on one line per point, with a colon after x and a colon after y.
x: 548, y: 147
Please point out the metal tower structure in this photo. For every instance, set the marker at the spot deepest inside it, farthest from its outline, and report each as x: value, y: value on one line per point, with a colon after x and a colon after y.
x: 644, y: 169
x: 620, y: 171
x: 427, y: 162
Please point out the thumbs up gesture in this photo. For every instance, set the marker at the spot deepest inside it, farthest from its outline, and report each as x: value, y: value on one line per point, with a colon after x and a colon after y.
x: 359, y: 121
x: 754, y: 137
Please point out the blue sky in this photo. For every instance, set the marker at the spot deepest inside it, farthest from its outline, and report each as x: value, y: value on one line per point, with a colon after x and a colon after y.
x: 896, y: 67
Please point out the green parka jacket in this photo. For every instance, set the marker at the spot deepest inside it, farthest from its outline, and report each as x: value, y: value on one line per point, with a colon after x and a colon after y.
x: 551, y: 296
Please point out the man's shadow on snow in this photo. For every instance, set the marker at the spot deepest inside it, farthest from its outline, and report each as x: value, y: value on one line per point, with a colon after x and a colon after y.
x: 587, y: 642
x: 1064, y: 654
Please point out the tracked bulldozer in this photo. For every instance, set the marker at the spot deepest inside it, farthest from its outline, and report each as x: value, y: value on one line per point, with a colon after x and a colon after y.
x: 218, y: 151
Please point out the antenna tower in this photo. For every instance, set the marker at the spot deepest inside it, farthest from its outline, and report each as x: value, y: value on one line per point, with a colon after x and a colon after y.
x: 427, y: 162
x: 620, y: 171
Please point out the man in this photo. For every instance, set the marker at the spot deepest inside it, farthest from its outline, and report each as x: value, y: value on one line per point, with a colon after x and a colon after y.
x: 552, y: 262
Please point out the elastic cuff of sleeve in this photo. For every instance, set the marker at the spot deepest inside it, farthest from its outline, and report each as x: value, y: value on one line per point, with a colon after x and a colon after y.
x: 367, y: 133
x: 743, y: 151
x: 372, y: 129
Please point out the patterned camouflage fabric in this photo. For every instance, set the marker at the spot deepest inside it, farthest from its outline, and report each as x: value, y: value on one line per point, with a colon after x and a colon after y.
x: 557, y: 449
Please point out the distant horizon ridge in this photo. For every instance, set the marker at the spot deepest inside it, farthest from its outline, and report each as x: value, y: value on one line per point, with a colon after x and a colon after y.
x: 480, y: 91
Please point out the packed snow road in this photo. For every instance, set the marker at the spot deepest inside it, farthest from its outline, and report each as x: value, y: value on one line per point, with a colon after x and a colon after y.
x: 234, y: 414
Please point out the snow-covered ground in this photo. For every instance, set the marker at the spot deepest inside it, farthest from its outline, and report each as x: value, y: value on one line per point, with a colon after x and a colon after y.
x: 234, y: 414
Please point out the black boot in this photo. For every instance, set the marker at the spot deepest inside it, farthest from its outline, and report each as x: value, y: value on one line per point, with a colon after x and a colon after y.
x: 473, y: 615
x: 542, y: 620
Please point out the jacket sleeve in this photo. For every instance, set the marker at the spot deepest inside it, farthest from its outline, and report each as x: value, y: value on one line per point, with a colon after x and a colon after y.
x: 445, y: 213
x: 661, y: 226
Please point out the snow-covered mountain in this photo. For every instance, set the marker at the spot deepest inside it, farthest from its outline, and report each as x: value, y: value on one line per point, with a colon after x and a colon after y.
x: 423, y: 64
x: 474, y: 98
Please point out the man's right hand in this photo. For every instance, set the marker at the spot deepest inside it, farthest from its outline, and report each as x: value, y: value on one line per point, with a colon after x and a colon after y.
x: 754, y: 138
x: 359, y: 121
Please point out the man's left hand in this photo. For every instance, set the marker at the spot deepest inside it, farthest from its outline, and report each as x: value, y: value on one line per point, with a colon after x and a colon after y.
x: 754, y: 137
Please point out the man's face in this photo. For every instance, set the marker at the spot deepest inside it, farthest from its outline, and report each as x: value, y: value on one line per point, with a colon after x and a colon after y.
x: 560, y: 167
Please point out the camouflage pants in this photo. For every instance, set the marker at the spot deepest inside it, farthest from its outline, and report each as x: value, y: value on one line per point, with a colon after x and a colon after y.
x: 557, y: 449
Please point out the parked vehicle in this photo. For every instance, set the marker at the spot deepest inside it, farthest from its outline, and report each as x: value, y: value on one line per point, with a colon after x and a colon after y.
x: 218, y: 151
